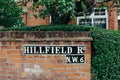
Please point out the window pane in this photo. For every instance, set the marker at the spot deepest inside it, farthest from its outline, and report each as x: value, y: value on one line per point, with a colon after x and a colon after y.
x: 100, y: 22
x: 85, y: 22
x: 118, y: 11
x: 98, y: 18
x: 96, y: 12
x: 99, y: 11
x: 119, y: 24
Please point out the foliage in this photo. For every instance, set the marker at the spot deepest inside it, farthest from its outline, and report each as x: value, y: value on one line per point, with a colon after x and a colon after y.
x: 10, y: 13
x: 117, y: 2
x: 106, y: 57
x: 49, y: 28
x: 61, y: 11
x: 84, y: 7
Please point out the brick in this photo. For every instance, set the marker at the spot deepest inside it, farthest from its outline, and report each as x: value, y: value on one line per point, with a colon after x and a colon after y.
x: 29, y: 56
x: 21, y: 78
x: 13, y: 61
x: 61, y: 70
x: 14, y: 56
x: 36, y: 56
x: 44, y: 66
x: 60, y: 61
x: 77, y: 75
x: 1, y: 68
x: 12, y: 52
x: 16, y: 60
x: 4, y: 68
x: 57, y: 57
x: 12, y: 73
x: 50, y: 57
x: 12, y: 45
x: 70, y: 75
x: 18, y: 47
x: 59, y: 66
x: 70, y: 66
x: 11, y: 64
x: 30, y: 61
x: 43, y: 61
x: 63, y: 57
x: 2, y: 54
x: 50, y: 75
x: 13, y: 69
x: 80, y: 70
x: 24, y: 74
x: 84, y: 75
x: 67, y: 71
x: 88, y: 58
x: 50, y: 66
x: 4, y: 64
x: 2, y: 77
x: 3, y: 60
x: 9, y: 77
x: 2, y: 72
x: 47, y: 71
x: 17, y: 65
x: 15, y: 78
x: 83, y: 79
x: 53, y: 61
x: 19, y: 52
x: 57, y: 75
x: 72, y: 78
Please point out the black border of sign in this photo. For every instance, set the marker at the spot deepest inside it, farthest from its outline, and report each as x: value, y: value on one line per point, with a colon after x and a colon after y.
x: 59, y: 54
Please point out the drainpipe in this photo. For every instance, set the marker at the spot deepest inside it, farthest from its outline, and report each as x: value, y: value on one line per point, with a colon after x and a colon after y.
x: 25, y: 12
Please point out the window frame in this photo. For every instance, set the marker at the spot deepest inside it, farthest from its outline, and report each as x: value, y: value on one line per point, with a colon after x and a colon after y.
x: 93, y: 16
x: 17, y: 1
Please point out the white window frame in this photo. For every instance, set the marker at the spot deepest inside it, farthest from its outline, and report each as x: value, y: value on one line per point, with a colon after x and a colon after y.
x: 118, y: 17
x: 18, y: 1
x: 93, y: 16
x: 118, y: 13
x: 99, y: 1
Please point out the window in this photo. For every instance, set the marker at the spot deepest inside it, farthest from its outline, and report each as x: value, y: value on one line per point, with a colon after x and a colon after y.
x: 118, y: 24
x: 18, y: 0
x: 98, y: 1
x: 100, y: 22
x: 98, y: 12
x: 99, y: 18
x: 119, y: 18
x: 85, y: 21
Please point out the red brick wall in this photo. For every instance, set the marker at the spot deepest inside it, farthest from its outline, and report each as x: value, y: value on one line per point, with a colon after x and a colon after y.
x: 14, y: 65
x: 30, y: 20
x: 112, y: 17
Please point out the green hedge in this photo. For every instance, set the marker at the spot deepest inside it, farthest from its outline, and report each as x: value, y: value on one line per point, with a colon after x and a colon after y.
x: 106, y: 57
x: 49, y: 28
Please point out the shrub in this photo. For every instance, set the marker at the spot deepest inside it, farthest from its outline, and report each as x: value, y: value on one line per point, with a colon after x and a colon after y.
x: 10, y: 13
x: 106, y: 59
x: 49, y: 28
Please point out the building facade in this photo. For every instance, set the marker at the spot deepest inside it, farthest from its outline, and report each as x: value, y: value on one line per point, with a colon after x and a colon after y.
x: 107, y: 17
